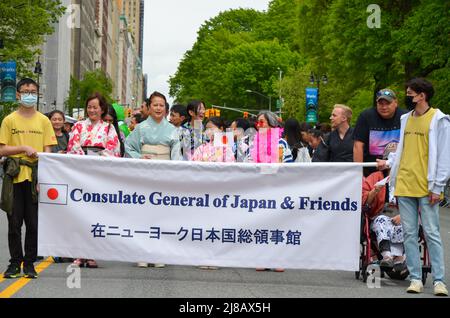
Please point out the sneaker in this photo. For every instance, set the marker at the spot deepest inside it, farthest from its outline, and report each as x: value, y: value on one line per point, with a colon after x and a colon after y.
x: 79, y: 262
x: 29, y: 271
x: 13, y: 271
x: 211, y: 268
x: 142, y: 265
x: 204, y: 267
x: 159, y: 265
x: 278, y: 270
x: 90, y: 263
x: 57, y: 259
x: 440, y: 289
x: 415, y: 287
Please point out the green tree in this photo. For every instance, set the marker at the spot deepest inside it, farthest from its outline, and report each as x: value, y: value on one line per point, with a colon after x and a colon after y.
x: 280, y: 22
x: 228, y: 59
x: 93, y: 82
x: 23, y: 27
x: 242, y: 49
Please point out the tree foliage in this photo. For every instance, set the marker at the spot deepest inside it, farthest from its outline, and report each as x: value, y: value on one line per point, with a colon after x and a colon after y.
x: 243, y: 50
x: 93, y: 82
x: 23, y: 26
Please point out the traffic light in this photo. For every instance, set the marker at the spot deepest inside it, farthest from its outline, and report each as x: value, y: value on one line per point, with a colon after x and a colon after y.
x: 128, y: 112
x: 245, y: 115
x: 212, y: 113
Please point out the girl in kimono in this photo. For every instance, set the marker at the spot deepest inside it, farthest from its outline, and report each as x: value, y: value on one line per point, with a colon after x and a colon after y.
x: 214, y: 151
x: 191, y: 134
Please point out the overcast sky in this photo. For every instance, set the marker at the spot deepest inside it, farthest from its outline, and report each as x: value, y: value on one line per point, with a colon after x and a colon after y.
x: 170, y: 30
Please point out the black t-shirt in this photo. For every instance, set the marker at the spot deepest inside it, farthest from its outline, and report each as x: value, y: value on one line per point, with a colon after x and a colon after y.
x: 377, y: 133
x: 341, y: 150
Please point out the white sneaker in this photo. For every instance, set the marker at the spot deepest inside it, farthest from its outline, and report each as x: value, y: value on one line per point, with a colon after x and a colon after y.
x: 440, y: 289
x: 159, y: 265
x: 142, y: 265
x: 415, y: 287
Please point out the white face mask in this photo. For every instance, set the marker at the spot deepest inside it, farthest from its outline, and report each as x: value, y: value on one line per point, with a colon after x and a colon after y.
x: 28, y: 100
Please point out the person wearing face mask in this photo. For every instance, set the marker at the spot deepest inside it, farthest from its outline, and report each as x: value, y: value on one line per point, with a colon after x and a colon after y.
x: 23, y: 134
x: 377, y: 127
x: 419, y: 173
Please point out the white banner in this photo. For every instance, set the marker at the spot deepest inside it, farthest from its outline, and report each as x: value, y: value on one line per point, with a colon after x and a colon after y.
x: 302, y: 216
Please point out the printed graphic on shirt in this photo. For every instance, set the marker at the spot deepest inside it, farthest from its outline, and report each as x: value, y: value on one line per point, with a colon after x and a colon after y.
x: 380, y: 139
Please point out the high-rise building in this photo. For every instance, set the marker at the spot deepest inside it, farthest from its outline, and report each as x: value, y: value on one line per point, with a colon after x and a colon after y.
x: 107, y: 31
x: 134, y: 11
x: 56, y: 56
x: 84, y: 39
x: 93, y: 34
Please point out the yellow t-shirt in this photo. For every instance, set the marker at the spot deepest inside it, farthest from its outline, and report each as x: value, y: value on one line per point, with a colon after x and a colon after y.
x: 412, y: 178
x: 36, y: 132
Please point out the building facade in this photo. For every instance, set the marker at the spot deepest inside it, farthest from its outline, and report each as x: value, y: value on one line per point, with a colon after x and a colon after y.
x: 93, y: 34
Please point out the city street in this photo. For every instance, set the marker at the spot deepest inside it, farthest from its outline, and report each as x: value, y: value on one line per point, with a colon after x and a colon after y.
x: 126, y: 280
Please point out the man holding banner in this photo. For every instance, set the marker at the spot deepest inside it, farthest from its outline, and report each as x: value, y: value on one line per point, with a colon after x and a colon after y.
x: 23, y: 134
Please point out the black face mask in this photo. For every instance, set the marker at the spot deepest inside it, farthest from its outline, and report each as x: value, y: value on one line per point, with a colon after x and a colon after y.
x: 410, y: 104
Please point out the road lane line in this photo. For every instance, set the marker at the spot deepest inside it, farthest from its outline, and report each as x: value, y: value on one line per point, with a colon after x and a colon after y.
x: 18, y: 285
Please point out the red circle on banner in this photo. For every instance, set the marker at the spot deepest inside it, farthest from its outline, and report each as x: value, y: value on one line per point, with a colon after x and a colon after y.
x: 224, y: 140
x: 52, y: 194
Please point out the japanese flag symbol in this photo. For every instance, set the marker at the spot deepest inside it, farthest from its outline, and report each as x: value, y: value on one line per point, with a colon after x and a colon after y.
x: 224, y: 139
x: 53, y: 194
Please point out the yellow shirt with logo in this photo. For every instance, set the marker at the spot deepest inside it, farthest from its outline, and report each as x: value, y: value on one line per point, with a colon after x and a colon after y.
x: 412, y: 178
x: 36, y: 132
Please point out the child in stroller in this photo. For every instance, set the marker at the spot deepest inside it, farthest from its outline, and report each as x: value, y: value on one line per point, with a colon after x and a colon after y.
x: 384, y: 225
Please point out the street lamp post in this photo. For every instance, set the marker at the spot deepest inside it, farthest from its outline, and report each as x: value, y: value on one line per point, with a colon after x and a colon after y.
x: 38, y: 71
x: 258, y: 93
x: 316, y: 79
x: 281, y: 98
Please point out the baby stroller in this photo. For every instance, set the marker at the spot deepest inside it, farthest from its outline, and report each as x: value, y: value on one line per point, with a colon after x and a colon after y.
x: 446, y: 202
x: 370, y: 255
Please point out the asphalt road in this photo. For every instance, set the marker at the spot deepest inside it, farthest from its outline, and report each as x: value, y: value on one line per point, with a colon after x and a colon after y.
x: 117, y: 280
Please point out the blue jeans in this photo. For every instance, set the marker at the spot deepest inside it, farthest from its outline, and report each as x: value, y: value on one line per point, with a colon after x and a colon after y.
x: 409, y: 208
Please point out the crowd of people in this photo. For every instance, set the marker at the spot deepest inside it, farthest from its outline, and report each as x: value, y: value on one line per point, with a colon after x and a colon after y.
x: 412, y: 148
